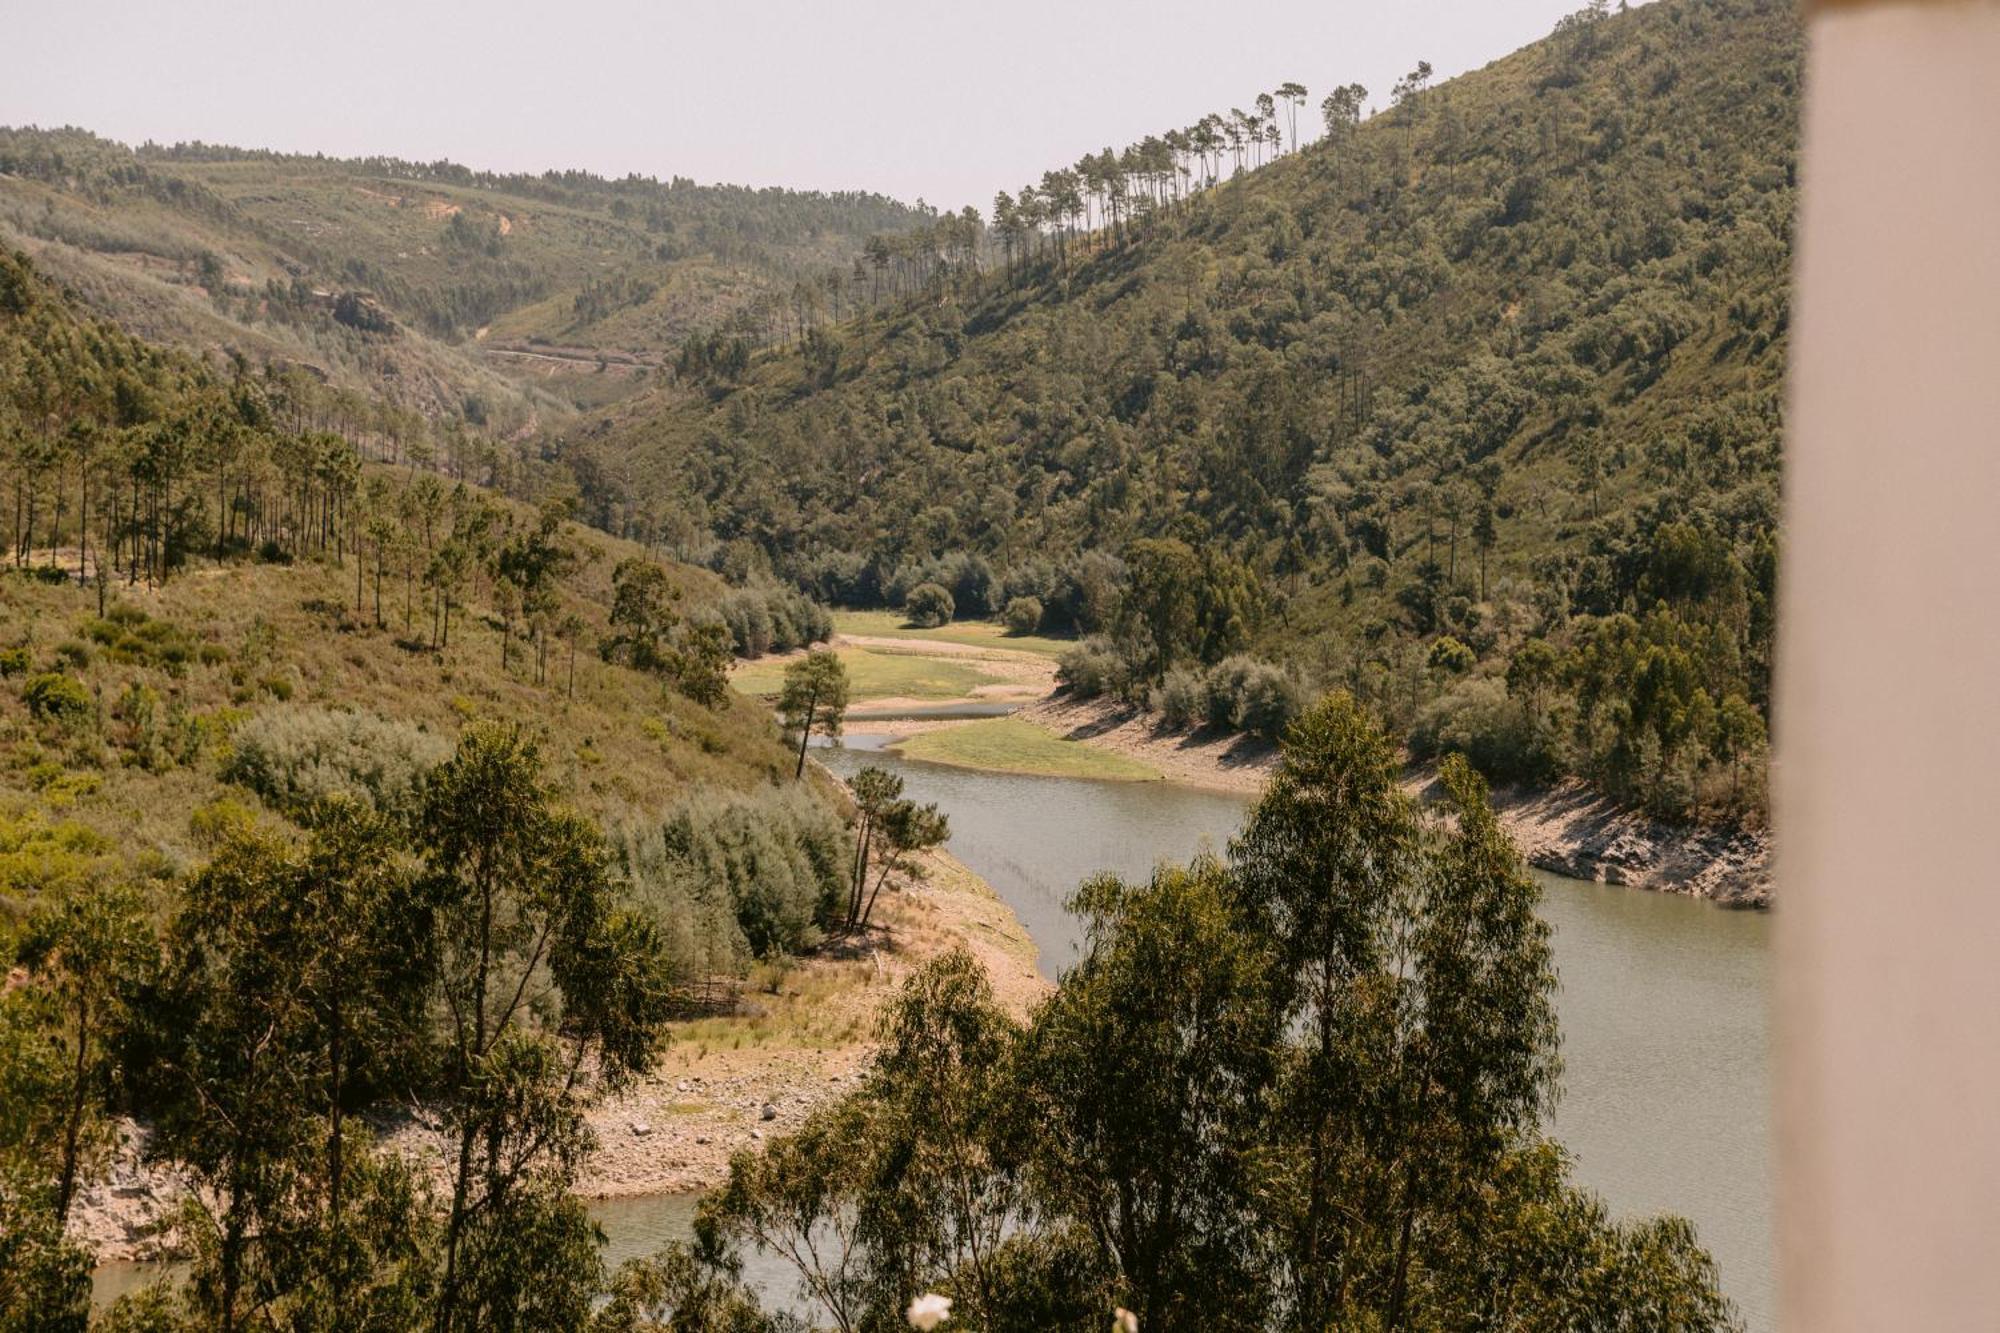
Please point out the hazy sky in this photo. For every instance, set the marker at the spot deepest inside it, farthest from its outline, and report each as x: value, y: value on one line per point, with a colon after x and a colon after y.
x: 934, y: 98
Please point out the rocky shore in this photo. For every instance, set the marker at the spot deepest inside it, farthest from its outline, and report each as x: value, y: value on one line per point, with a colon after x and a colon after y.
x: 1566, y: 830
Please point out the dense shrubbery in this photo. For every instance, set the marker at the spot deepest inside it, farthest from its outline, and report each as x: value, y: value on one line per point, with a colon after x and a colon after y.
x: 929, y: 605
x: 55, y: 697
x: 1239, y: 693
x: 769, y: 618
x: 1245, y: 694
x: 1023, y: 615
x: 1481, y: 721
x: 733, y: 876
x: 298, y: 758
x: 1094, y: 667
x: 129, y: 637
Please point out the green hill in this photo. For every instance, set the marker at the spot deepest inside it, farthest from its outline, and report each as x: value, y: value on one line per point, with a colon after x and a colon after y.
x: 185, y: 572
x: 1498, y: 368
x: 445, y: 291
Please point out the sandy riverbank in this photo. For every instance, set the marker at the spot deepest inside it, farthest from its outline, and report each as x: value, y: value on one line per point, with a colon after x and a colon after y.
x: 711, y: 1096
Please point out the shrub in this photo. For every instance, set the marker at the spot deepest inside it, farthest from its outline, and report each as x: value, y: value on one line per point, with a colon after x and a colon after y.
x: 929, y: 605
x: 1024, y: 615
x: 297, y: 758
x: 1477, y: 718
x: 1181, y: 699
x: 1245, y: 694
x: 732, y: 876
x: 1092, y: 668
x: 1449, y: 655
x: 1271, y: 698
x: 55, y: 697
x: 13, y: 661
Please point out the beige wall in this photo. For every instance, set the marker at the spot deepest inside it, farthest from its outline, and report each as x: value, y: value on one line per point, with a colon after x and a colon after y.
x: 1888, y: 708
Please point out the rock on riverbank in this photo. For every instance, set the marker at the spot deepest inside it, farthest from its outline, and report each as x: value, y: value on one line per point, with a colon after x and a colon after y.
x: 1567, y: 830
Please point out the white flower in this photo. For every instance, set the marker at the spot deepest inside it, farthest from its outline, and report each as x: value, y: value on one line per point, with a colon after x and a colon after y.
x: 1124, y: 1321
x: 929, y: 1310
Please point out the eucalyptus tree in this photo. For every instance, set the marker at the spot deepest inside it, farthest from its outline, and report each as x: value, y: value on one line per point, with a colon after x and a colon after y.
x: 552, y: 994
x: 83, y: 949
x: 1140, y: 1076
x: 294, y: 975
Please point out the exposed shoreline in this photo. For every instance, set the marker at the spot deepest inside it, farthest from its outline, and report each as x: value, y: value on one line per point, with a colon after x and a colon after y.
x: 707, y: 1100
x: 1566, y: 830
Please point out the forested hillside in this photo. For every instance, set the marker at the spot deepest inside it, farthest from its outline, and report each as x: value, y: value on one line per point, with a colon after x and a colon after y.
x: 445, y: 292
x: 299, y: 752
x: 1471, y: 406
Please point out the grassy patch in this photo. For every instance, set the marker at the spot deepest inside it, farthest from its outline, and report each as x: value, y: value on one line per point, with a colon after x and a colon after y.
x: 1007, y: 745
x: 880, y: 675
x: 975, y: 633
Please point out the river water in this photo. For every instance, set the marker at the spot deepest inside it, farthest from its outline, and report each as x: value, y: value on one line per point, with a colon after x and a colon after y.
x: 1664, y: 1007
x: 1664, y: 1000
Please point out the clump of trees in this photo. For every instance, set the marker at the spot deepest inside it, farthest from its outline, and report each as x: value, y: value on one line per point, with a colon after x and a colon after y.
x: 770, y: 618
x: 1300, y: 1087
x: 733, y: 877
x: 649, y: 634
x: 476, y: 957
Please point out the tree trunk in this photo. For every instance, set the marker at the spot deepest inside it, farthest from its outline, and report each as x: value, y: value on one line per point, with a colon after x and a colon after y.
x: 73, y: 1128
x: 805, y: 735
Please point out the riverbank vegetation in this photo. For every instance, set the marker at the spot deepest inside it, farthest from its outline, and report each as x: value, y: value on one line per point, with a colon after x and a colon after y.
x: 1496, y: 368
x: 1300, y: 1087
